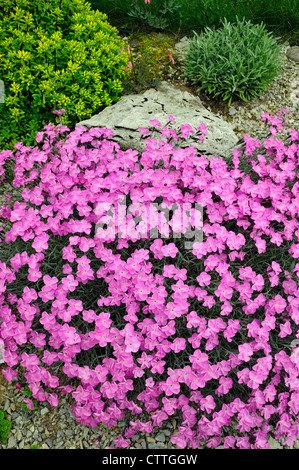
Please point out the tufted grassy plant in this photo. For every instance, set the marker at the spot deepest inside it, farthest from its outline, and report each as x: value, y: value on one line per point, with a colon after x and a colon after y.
x: 55, y: 54
x: 102, y: 299
x: 237, y: 61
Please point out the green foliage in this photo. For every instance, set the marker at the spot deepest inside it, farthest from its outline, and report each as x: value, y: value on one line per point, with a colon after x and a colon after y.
x: 149, y: 61
x: 55, y: 54
x: 236, y: 61
x: 34, y: 446
x: 5, y: 426
x: 28, y: 394
x: 280, y: 16
x: 147, y: 17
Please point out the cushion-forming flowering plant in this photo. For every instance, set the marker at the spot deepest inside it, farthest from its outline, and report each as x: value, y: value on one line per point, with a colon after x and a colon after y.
x: 102, y: 297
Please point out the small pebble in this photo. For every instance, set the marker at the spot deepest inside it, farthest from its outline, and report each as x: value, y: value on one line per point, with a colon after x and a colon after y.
x: 11, y: 442
x: 160, y: 437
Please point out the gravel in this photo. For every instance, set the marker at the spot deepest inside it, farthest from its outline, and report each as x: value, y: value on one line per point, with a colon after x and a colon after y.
x: 55, y: 427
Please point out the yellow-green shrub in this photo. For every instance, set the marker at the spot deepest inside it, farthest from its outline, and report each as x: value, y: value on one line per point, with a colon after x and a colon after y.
x: 55, y: 54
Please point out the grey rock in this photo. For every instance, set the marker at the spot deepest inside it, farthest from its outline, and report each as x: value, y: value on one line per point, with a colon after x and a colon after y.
x: 44, y: 411
x: 182, y: 47
x: 293, y: 53
x: 21, y: 444
x: 11, y: 443
x: 157, y: 445
x: 160, y: 437
x: 294, y: 88
x: 274, y: 444
x: 135, y: 111
x: 232, y: 111
x: 18, y: 435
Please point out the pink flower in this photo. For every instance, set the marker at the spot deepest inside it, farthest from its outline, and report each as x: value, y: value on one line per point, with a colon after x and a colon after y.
x: 228, y: 442
x: 245, y: 352
x: 179, y: 344
x: 186, y: 129
x: 120, y: 441
x: 41, y: 242
x: 29, y: 403
x: 131, y: 340
x: 141, y: 291
x: 52, y: 399
x: 169, y: 250
x: 171, y: 387
x: 277, y: 304
x: 202, y: 128
x: 9, y: 373
x: 285, y: 329
x: 243, y: 443
x: 158, y: 417
x: 224, y: 292
x: 179, y: 440
x: 214, y: 442
x: 170, y: 56
x: 203, y: 279
x: 155, y: 123
x: 225, y: 384
x: 38, y: 339
x: 143, y: 131
x: 207, y: 404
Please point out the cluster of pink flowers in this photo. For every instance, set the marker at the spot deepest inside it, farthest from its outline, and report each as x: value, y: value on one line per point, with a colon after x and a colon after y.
x: 207, y: 339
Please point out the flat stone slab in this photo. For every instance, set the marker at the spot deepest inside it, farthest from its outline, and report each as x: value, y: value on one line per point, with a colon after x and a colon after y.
x: 135, y: 111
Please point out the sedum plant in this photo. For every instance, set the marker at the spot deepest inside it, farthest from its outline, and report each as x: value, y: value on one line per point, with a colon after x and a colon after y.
x: 54, y: 54
x: 156, y: 285
x: 236, y: 61
x: 5, y: 426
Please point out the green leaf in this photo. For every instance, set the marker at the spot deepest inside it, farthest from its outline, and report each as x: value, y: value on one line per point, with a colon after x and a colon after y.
x: 233, y: 57
x: 25, y: 407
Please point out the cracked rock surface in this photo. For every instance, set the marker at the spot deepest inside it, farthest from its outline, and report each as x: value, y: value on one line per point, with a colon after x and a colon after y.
x: 135, y: 111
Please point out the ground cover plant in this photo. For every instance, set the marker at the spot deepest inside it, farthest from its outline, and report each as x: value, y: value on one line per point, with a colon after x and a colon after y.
x: 5, y: 426
x: 55, y: 54
x: 108, y: 292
